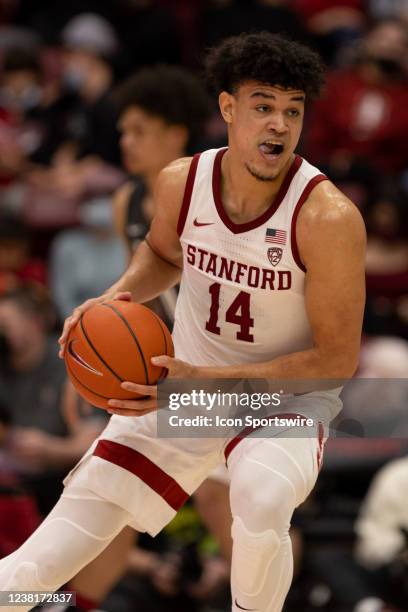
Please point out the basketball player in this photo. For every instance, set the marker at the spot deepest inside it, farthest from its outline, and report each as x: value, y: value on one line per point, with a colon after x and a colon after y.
x: 162, y: 114
x: 295, y: 313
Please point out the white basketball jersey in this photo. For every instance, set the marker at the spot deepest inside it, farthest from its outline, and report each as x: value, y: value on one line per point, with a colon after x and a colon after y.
x: 242, y: 290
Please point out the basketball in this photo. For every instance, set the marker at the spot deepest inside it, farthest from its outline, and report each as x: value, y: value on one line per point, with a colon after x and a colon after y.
x: 114, y: 342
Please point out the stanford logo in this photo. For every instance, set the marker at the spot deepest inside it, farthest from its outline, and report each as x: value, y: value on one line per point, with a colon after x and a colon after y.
x: 275, y: 255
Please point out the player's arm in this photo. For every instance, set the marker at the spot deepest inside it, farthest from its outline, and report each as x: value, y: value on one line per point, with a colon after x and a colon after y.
x: 157, y: 262
x: 120, y: 205
x: 331, y: 242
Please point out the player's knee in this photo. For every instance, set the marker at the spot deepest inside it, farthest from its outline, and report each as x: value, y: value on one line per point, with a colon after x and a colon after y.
x: 253, y: 553
x: 269, y: 506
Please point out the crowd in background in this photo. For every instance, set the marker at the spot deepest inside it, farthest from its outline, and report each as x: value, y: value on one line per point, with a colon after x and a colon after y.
x: 73, y: 202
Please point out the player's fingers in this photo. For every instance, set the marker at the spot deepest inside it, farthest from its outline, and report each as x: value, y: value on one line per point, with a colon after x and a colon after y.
x: 150, y: 390
x: 163, y: 361
x: 131, y: 408
x: 129, y: 413
x: 71, y: 321
x: 125, y: 296
x: 137, y: 405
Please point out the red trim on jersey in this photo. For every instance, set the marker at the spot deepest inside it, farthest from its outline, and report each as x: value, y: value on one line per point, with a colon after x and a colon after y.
x: 248, y: 430
x: 305, y: 194
x: 188, y: 190
x: 139, y: 465
x: 237, y: 228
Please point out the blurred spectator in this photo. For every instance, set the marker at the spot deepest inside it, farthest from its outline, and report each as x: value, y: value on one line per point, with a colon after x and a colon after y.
x: 18, y: 511
x: 44, y: 444
x: 382, y: 528
x: 16, y: 262
x: 384, y: 9
x: 147, y: 29
x: 21, y: 96
x: 85, y: 163
x: 90, y: 46
x: 86, y: 260
x: 375, y: 401
x: 359, y: 128
x: 384, y: 357
x: 333, y: 25
x: 384, y: 516
x: 33, y: 111
x: 222, y: 18
x: 387, y: 264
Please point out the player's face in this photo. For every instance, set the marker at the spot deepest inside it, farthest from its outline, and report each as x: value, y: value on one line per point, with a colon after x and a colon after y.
x: 264, y: 126
x: 147, y: 142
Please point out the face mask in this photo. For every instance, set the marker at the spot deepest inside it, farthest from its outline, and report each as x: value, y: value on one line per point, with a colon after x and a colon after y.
x: 74, y: 77
x: 26, y: 100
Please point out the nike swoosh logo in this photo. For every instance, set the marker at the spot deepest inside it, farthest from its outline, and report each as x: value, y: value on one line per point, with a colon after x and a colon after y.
x: 241, y: 608
x: 198, y: 224
x: 80, y: 360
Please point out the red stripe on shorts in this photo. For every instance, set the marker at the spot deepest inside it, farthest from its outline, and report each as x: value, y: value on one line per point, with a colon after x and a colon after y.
x: 139, y: 465
x: 248, y: 430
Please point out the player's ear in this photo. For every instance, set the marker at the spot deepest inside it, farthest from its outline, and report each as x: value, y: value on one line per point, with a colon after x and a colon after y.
x: 226, y: 102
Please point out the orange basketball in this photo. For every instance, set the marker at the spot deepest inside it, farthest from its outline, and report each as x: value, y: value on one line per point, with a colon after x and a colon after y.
x: 114, y: 342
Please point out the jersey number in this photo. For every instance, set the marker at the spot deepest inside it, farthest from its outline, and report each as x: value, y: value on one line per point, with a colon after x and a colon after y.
x: 238, y: 313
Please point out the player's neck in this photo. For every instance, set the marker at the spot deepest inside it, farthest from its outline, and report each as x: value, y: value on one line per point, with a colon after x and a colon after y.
x: 244, y: 196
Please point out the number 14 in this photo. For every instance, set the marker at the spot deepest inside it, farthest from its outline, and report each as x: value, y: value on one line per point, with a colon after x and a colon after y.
x: 238, y: 313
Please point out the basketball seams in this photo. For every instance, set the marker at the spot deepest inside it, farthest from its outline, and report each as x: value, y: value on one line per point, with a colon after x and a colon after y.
x: 132, y: 333
x: 81, y: 323
x: 163, y: 373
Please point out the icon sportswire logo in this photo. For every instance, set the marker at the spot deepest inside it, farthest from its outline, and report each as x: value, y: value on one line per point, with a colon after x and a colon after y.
x: 80, y: 360
x: 197, y: 223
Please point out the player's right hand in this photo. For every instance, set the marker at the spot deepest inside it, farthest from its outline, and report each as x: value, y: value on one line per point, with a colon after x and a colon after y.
x: 71, y: 321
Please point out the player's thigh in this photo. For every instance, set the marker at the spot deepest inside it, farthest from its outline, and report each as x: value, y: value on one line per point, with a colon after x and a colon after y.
x: 271, y: 477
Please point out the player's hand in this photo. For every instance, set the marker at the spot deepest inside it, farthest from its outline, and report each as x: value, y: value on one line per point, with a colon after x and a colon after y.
x: 148, y: 403
x: 71, y: 321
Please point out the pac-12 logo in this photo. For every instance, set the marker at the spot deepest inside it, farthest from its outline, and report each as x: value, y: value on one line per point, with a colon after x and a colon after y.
x: 275, y: 255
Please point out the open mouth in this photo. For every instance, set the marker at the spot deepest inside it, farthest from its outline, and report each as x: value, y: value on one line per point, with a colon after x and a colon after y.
x: 271, y: 150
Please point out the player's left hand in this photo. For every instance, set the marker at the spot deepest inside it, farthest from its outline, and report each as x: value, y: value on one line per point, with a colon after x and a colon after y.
x: 138, y: 407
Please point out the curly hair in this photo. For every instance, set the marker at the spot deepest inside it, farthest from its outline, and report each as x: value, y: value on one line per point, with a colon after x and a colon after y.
x: 268, y: 58
x: 171, y: 93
